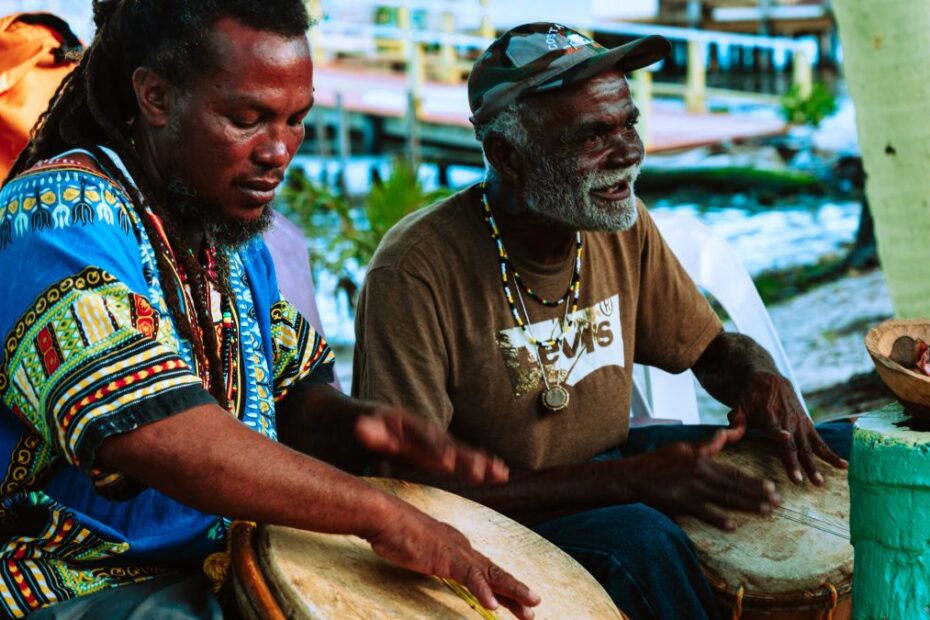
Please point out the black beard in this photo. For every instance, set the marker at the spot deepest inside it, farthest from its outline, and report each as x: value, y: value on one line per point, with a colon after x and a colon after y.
x: 223, y: 231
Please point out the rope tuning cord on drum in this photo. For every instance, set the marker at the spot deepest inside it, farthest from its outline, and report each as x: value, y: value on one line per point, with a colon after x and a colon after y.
x: 738, y: 603
x: 741, y: 591
x: 216, y: 565
x: 834, y: 599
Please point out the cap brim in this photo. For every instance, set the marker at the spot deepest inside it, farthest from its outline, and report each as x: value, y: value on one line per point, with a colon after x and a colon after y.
x: 628, y: 57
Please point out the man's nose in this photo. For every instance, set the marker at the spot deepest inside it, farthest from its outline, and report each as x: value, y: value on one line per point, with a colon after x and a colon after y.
x: 625, y: 151
x: 272, y: 153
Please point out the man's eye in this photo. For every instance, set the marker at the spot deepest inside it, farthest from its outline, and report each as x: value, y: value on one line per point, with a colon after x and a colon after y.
x: 297, y: 120
x: 630, y: 124
x: 244, y: 123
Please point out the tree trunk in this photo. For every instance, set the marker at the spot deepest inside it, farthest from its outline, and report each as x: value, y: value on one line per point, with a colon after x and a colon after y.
x: 886, y: 44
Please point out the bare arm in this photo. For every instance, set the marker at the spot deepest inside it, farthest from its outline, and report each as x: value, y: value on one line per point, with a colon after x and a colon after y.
x: 207, y: 459
x: 729, y: 364
x: 738, y: 372
x: 678, y: 479
x: 320, y: 421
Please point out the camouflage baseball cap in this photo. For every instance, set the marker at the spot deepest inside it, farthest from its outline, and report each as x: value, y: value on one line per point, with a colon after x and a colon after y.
x: 545, y: 56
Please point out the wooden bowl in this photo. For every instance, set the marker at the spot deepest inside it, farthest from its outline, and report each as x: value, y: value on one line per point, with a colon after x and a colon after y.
x: 911, y: 387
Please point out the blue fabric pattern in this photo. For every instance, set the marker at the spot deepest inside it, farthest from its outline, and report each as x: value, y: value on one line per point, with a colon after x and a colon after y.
x: 91, y: 350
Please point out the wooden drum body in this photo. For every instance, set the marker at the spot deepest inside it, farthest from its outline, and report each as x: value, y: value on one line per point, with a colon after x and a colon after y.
x: 795, y: 564
x: 280, y: 572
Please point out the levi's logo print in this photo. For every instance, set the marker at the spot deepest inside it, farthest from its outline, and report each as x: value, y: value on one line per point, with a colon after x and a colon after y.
x: 594, y: 341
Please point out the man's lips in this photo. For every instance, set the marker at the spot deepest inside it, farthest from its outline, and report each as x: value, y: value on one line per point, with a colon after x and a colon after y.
x: 260, y: 191
x: 618, y: 191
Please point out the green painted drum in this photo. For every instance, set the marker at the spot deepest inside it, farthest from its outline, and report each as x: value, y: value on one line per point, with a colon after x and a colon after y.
x: 889, y: 484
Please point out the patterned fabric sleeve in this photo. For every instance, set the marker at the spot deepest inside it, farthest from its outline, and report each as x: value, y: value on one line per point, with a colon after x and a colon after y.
x: 84, y: 363
x: 300, y: 353
x: 85, y: 355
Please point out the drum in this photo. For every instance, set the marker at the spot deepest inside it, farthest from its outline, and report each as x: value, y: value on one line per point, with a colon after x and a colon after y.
x: 280, y: 572
x: 795, y: 564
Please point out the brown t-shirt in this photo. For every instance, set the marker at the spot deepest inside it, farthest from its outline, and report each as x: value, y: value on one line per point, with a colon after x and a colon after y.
x: 436, y: 335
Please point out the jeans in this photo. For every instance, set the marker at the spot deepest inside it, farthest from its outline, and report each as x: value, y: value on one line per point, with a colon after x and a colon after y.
x: 642, y: 558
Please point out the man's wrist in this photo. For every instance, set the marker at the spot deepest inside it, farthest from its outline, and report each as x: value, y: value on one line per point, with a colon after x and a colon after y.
x: 376, y: 511
x: 761, y: 379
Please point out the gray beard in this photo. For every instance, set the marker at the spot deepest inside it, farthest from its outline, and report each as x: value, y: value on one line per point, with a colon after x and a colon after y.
x: 556, y: 191
x: 226, y: 232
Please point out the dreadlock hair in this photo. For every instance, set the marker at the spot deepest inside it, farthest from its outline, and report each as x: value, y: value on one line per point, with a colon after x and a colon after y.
x: 96, y: 105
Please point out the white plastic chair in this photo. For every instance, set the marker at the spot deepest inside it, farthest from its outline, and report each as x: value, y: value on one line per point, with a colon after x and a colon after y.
x: 716, y: 268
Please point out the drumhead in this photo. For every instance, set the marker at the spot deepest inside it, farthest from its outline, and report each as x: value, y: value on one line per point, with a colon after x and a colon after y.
x: 792, y: 553
x: 323, y: 576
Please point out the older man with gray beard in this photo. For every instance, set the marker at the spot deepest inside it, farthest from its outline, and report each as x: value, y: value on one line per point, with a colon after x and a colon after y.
x: 512, y: 313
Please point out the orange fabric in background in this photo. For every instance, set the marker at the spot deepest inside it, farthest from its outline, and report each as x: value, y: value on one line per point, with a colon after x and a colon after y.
x: 29, y: 75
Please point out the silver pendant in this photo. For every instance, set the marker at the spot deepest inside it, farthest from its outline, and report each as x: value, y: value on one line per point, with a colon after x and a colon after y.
x: 555, y: 398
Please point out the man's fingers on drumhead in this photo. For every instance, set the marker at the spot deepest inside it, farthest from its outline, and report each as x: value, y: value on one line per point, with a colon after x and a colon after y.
x: 789, y: 456
x: 707, y: 514
x: 732, y: 480
x: 731, y: 496
x: 520, y: 611
x: 476, y: 582
x: 506, y: 585
x: 808, y: 462
x: 822, y: 450
x: 745, y: 503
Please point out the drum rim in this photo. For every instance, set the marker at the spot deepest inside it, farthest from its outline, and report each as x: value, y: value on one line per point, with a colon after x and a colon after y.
x: 248, y: 574
x: 808, y: 598
x: 259, y: 533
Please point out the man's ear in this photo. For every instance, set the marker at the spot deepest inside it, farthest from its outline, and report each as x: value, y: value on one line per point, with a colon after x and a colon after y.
x: 153, y: 96
x: 505, y: 158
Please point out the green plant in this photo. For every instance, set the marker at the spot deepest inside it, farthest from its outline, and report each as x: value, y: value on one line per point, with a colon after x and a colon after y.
x: 345, y: 233
x: 810, y: 110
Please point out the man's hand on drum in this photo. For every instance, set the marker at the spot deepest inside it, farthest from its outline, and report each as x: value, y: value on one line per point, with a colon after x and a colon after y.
x: 397, y: 434
x: 684, y: 478
x: 769, y: 404
x: 420, y: 543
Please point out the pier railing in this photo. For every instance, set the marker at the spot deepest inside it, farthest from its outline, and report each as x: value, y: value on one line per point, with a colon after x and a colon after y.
x: 454, y: 33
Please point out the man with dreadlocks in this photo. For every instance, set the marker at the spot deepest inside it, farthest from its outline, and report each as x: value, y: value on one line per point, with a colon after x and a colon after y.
x: 149, y: 362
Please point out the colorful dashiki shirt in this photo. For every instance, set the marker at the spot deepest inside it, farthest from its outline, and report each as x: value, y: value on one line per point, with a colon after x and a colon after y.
x: 90, y: 350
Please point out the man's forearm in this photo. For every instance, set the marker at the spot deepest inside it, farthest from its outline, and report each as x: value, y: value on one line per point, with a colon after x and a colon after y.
x: 206, y: 459
x: 531, y: 497
x: 728, y: 364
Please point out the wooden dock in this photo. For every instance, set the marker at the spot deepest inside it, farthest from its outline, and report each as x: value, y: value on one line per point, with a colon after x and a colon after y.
x: 375, y: 106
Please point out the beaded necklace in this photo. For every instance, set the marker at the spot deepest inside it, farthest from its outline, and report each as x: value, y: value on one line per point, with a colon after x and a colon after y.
x: 574, y: 286
x: 555, y: 396
x: 227, y: 330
